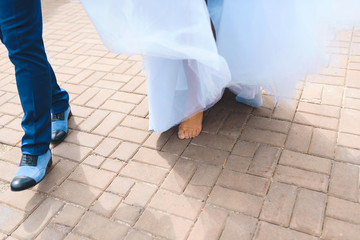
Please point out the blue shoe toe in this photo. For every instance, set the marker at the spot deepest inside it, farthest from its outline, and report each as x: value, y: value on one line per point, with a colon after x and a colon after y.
x: 21, y: 183
x: 31, y: 171
x: 58, y: 136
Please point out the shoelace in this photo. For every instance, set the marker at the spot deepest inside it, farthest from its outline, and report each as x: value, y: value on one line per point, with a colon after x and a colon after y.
x: 58, y: 116
x: 28, y: 160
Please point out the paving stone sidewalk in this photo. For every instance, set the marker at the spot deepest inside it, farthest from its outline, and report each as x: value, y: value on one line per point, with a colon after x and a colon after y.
x: 289, y: 172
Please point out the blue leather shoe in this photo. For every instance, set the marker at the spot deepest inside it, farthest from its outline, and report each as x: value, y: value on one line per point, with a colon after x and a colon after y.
x: 59, y: 126
x: 31, y: 171
x: 254, y: 102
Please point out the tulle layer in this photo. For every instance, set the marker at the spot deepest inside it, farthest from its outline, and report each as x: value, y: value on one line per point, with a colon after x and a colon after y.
x: 260, y: 43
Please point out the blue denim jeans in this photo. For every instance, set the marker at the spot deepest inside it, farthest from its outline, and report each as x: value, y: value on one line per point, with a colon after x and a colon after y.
x: 21, y: 33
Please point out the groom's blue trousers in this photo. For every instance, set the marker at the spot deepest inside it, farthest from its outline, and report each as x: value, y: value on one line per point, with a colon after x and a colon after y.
x: 21, y: 33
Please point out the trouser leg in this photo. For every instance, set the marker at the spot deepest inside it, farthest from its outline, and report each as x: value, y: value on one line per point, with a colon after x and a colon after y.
x: 21, y: 29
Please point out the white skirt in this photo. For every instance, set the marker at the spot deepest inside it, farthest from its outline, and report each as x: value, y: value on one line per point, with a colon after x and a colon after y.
x: 260, y: 43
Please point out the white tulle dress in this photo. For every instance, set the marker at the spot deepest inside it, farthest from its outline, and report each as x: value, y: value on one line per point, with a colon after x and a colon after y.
x: 270, y: 44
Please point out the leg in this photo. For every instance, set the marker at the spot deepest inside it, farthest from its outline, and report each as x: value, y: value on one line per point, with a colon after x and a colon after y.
x: 21, y: 27
x: 21, y: 30
x: 192, y: 126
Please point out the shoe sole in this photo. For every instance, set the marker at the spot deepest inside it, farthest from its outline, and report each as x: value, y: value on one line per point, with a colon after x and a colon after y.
x: 62, y: 139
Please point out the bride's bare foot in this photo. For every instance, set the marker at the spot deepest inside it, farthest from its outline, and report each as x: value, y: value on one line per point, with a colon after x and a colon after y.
x: 191, y: 127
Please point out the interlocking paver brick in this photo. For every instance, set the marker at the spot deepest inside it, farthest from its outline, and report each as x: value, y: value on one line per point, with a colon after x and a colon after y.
x: 142, y: 109
x: 168, y: 226
x: 352, y: 79
x: 81, y: 111
x: 237, y: 201
x: 125, y: 151
x: 8, y: 171
x: 137, y: 235
x: 120, y: 186
x: 239, y: 226
x: 338, y: 230
x: 269, y: 124
x: 233, y: 124
x: 196, y: 191
x: 267, y: 231
x: 302, y: 178
x: 13, y: 155
x: 129, y: 134
x: 92, y: 176
x: 305, y: 161
x: 77, y: 193
x: 107, y: 146
x: 71, y: 151
x: 175, y: 145
x: 9, y: 136
x: 112, y: 165
x: 140, y: 194
x: 128, y: 97
x: 348, y: 121
x: 209, y: 225
x: 176, y: 204
x: 54, y: 232
x: 157, y: 158
x: 309, y: 211
x: 323, y: 143
x: 285, y: 111
x: 343, y: 210
x: 117, y: 106
x: 352, y: 103
x: 144, y: 172
x: 157, y: 141
x: 208, y: 155
x: 205, y: 175
x: 264, y: 161
x: 38, y: 219
x: 243, y: 182
x: 109, y: 123
x: 100, y: 228
x: 299, y: 138
x: 263, y: 136
x: 245, y: 149
x: 348, y: 140
x: 86, y: 96
x: 213, y: 120
x: 238, y: 163
x: 69, y: 215
x: 221, y: 142
x: 331, y: 80
x: 179, y: 176
x: 25, y: 201
x: 316, y: 120
x: 94, y: 160
x: 10, y: 218
x: 84, y: 139
x: 344, y: 181
x: 347, y: 155
x: 133, y: 84
x: 106, y: 204
x: 93, y: 120
x: 128, y: 213
x: 279, y: 204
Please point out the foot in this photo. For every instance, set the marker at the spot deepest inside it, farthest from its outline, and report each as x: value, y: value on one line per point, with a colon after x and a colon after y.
x: 31, y: 171
x: 191, y: 127
x: 59, y: 126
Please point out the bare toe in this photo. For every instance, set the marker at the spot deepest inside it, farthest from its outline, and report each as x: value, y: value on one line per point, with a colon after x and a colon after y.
x: 181, y: 133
